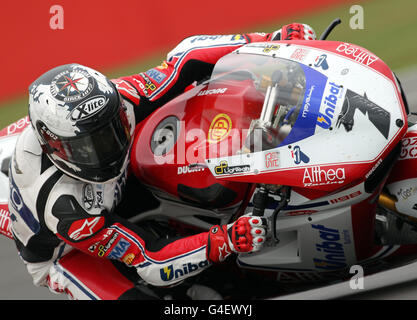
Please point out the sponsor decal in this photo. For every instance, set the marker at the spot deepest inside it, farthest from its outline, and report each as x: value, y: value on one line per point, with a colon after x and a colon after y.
x: 316, y: 176
x: 84, y: 228
x: 306, y: 108
x: 324, y: 120
x: 321, y: 61
x: 306, y: 123
x: 330, y: 250
x: 212, y: 91
x: 163, y: 65
x: 128, y: 259
x: 216, y: 37
x: 347, y: 197
x: 214, y: 230
x: 189, y: 169
x: 5, y: 222
x: 406, y: 193
x: 373, y: 168
x: 299, y: 54
x: 119, y: 249
x: 102, y: 249
x: 88, y: 196
x: 88, y: 108
x: 299, y: 156
x: 223, y: 168
x: 300, y: 212
x: 93, y: 247
x: 18, y: 126
x: 127, y: 90
x: 168, y: 273
x: 47, y: 133
x: 272, y: 160
x: 357, y: 54
x: 378, y: 116
x: 409, y: 148
x: 70, y: 86
x: 99, y: 199
x: 223, y: 252
x: 149, y: 85
x: 269, y: 48
x: 237, y: 37
x: 141, y: 86
x: 157, y: 75
x: 219, y: 128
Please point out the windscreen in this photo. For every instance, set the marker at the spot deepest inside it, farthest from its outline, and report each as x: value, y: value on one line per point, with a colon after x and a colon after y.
x: 261, y: 102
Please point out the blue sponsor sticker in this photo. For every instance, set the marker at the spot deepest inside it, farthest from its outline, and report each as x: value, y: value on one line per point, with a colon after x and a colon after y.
x: 158, y: 76
x: 299, y: 156
x: 330, y: 253
x: 305, y: 125
x: 169, y: 272
x: 324, y: 120
x: 321, y: 61
x: 119, y: 249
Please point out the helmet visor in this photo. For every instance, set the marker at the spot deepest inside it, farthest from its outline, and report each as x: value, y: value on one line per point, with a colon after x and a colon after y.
x: 101, y: 148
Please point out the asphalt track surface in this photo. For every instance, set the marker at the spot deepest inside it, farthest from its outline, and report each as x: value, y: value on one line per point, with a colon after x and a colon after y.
x: 16, y: 284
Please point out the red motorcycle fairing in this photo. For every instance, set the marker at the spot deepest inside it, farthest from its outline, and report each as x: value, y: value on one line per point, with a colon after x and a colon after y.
x: 332, y: 198
x: 401, y: 187
x: 180, y: 171
x: 8, y: 138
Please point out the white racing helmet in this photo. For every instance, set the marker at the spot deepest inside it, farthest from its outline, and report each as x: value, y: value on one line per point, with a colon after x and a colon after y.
x: 81, y: 122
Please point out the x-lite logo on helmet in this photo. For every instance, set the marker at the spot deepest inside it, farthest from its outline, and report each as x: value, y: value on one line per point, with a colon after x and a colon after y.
x: 88, y: 108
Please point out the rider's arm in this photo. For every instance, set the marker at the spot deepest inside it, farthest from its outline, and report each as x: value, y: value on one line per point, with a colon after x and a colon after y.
x: 191, y: 60
x: 158, y: 261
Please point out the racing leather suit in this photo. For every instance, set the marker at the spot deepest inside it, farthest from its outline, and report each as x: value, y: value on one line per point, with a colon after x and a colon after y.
x: 53, y: 213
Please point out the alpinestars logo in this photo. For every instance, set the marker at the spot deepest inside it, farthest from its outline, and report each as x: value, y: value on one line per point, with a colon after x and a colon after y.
x: 223, y: 252
x: 316, y: 176
x: 84, y: 228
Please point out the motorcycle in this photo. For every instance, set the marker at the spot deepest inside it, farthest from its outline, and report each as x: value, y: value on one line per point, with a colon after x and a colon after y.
x: 313, y: 136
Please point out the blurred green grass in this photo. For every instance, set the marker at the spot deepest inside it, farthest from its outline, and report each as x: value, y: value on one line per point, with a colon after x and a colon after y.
x: 389, y: 32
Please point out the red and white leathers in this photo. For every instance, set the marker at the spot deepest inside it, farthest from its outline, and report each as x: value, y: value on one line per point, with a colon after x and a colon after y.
x: 53, y: 213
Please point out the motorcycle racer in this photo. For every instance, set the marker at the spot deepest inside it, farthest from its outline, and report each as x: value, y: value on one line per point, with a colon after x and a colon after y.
x: 70, y: 167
